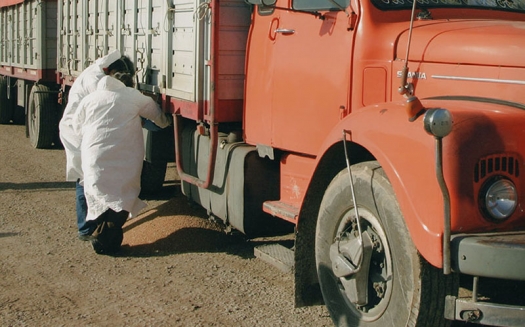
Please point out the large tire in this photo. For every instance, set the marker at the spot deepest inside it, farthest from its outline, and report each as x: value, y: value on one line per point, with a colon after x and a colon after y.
x: 394, y: 286
x: 42, y: 117
x: 6, y: 106
x: 152, y: 177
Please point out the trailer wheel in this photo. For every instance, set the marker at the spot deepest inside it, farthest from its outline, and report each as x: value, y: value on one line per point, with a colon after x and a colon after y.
x: 393, y: 285
x: 6, y: 108
x: 42, y: 121
x: 152, y: 177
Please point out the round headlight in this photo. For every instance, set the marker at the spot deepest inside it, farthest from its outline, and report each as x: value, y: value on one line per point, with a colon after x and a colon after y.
x: 500, y: 198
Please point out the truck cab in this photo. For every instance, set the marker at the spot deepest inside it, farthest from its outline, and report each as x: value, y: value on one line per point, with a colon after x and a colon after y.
x: 388, y: 135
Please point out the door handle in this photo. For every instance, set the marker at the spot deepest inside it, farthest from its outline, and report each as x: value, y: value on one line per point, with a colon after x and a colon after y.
x: 285, y: 31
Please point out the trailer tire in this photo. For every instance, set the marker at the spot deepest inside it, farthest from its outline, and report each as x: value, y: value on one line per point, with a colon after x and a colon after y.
x: 152, y: 177
x: 6, y: 107
x: 42, y: 120
x: 402, y: 289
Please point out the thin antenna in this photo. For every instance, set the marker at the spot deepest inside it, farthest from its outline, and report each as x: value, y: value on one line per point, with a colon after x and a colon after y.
x: 403, y: 89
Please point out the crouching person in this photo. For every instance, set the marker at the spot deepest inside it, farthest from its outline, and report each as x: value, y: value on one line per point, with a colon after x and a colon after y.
x: 112, y: 152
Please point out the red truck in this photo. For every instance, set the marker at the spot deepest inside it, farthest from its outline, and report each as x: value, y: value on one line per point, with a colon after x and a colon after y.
x: 385, y: 135
x: 414, y: 112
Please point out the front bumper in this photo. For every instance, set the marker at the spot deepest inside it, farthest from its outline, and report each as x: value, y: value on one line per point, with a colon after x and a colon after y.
x: 484, y: 313
x: 495, y: 255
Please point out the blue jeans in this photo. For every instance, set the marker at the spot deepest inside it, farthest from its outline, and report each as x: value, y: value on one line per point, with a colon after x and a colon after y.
x: 84, y: 228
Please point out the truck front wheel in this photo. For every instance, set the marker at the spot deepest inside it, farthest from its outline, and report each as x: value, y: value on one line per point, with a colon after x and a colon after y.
x: 384, y: 281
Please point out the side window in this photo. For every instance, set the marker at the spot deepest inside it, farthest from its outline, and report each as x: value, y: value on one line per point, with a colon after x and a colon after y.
x: 314, y: 5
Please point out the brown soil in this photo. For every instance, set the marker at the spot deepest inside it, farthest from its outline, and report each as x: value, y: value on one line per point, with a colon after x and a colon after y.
x: 175, y: 269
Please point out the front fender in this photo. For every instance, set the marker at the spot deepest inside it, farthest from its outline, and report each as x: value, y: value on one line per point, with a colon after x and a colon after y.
x: 406, y: 153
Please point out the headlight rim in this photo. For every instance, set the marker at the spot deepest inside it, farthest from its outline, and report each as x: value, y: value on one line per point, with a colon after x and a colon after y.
x: 483, y: 194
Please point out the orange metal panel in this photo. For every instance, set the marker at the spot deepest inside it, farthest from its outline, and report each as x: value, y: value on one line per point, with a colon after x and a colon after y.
x: 260, y: 60
x: 406, y: 154
x: 435, y: 79
x: 470, y: 42
x: 296, y: 172
x: 483, y: 131
x: 375, y: 85
x: 299, y: 94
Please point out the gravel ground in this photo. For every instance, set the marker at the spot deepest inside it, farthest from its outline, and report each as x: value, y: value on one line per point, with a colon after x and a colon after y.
x: 175, y: 269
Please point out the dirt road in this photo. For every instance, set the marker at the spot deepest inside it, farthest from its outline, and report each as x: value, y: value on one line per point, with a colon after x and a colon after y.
x: 175, y: 269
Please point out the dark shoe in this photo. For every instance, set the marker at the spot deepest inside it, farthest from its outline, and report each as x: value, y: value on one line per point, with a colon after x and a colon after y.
x: 97, y: 246
x: 104, y: 248
x: 108, y: 235
x: 85, y: 237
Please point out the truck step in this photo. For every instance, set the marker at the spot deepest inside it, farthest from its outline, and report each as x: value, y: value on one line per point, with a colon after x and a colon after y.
x: 277, y: 255
x: 282, y: 210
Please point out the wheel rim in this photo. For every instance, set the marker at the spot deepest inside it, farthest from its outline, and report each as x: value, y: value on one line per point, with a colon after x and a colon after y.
x: 380, y: 276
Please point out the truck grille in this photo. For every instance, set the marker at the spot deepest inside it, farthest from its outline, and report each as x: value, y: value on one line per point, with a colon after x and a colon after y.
x: 497, y: 163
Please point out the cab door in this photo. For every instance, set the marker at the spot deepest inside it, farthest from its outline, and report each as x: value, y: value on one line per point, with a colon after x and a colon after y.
x: 307, y: 77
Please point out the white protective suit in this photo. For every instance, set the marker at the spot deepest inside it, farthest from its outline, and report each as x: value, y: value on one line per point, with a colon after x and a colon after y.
x: 112, y: 146
x: 85, y: 84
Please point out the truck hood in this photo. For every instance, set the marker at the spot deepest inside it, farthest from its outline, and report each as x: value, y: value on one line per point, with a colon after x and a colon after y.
x: 479, y: 42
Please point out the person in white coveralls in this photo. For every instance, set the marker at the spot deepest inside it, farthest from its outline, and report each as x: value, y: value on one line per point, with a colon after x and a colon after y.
x: 108, y: 122
x: 85, y: 84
